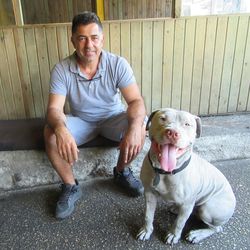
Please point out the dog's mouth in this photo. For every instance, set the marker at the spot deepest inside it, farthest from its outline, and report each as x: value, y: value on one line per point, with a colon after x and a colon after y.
x: 167, y: 155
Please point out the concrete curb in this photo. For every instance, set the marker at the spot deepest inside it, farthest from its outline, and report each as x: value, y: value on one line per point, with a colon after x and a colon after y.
x: 23, y: 169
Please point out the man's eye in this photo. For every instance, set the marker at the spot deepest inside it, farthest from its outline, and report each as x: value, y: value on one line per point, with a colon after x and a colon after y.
x: 82, y: 38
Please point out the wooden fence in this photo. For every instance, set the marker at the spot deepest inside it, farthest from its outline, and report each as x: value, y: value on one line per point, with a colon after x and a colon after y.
x: 129, y: 9
x: 200, y: 64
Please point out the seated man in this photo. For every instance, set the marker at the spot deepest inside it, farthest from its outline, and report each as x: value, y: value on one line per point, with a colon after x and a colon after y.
x: 92, y: 80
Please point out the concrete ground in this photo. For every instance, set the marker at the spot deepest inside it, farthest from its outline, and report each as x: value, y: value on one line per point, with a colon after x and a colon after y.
x: 106, y: 218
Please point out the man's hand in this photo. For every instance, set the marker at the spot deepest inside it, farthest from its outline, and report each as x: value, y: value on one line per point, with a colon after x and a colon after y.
x: 66, y: 145
x: 132, y: 143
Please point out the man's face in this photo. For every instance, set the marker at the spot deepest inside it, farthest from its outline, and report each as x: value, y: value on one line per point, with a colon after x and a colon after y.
x: 88, y: 42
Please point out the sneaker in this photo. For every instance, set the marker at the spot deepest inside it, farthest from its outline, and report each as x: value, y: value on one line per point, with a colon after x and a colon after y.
x: 66, y: 203
x: 127, y: 180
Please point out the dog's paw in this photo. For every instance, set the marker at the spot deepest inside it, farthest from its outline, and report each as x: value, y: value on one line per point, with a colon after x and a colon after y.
x: 144, y: 234
x: 195, y: 236
x: 171, y: 239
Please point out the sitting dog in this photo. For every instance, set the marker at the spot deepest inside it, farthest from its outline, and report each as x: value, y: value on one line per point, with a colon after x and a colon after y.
x: 171, y: 170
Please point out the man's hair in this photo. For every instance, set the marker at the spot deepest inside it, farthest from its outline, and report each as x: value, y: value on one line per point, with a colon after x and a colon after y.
x: 85, y: 18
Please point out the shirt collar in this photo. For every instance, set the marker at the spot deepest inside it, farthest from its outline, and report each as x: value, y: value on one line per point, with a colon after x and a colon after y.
x: 74, y: 68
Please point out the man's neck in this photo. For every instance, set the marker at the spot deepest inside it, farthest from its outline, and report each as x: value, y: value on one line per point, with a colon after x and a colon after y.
x: 88, y: 68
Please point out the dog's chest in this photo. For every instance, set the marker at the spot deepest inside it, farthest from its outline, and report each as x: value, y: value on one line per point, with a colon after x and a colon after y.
x: 170, y: 190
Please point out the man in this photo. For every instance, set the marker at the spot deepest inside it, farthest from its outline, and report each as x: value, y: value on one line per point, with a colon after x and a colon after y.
x: 92, y: 80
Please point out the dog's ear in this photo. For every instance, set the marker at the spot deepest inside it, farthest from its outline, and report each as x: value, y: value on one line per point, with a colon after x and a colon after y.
x: 198, y: 126
x: 150, y: 118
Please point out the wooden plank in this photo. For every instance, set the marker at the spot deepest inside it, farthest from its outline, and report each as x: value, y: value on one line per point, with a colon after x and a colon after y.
x: 188, y: 64
x: 100, y: 9
x: 177, y: 8
x: 52, y: 45
x: 198, y: 64
x: 14, y: 74
x: 43, y: 63
x: 178, y: 63
x: 218, y: 63
x: 130, y: 9
x: 157, y: 47
x: 167, y: 78
x: 144, y: 9
x: 106, y: 9
x: 228, y: 64
x: 120, y: 10
x: 62, y: 41
x: 115, y: 38
x: 6, y: 13
x: 208, y: 65
x: 70, y: 45
x: 24, y: 73
x: 6, y: 80
x: 238, y: 63
x: 125, y: 40
x: 245, y: 79
x: 136, y: 50
x: 70, y: 9
x: 17, y: 7
x: 106, y: 45
x: 147, y: 53
x: 3, y: 108
x: 35, y: 79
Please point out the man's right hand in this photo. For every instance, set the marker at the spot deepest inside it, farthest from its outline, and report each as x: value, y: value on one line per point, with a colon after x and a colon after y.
x: 66, y: 145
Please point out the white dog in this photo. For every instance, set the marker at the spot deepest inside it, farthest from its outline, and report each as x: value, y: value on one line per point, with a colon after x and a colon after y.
x: 182, y: 178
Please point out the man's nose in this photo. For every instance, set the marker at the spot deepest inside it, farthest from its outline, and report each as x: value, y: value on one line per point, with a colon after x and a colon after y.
x: 89, y: 41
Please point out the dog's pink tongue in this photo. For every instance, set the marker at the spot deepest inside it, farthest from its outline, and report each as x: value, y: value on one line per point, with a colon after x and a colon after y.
x: 168, y: 157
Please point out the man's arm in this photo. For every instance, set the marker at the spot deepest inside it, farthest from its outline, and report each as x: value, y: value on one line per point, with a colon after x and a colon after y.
x: 56, y: 119
x: 133, y: 140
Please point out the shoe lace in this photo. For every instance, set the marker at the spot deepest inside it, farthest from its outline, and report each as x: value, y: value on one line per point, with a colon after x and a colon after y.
x: 66, y: 191
x: 130, y: 177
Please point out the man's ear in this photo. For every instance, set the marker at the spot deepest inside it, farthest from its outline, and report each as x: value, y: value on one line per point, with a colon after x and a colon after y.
x: 72, y: 41
x: 198, y: 126
x: 150, y: 118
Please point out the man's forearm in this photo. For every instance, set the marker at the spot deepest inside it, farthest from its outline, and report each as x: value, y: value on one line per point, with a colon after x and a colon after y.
x: 55, y: 118
x: 136, y: 112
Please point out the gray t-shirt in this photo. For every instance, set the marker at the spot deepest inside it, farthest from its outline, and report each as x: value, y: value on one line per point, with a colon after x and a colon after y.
x: 98, y: 98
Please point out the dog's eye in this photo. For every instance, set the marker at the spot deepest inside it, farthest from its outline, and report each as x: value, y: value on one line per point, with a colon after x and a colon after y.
x: 163, y: 118
x: 187, y: 124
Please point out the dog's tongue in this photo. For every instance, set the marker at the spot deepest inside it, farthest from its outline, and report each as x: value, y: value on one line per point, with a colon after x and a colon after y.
x: 168, y: 157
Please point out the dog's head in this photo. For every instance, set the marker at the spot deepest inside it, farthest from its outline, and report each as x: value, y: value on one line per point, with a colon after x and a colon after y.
x: 172, y: 132
x: 171, y: 126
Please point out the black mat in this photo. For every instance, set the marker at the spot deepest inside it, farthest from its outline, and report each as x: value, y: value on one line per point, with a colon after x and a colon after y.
x: 27, y: 134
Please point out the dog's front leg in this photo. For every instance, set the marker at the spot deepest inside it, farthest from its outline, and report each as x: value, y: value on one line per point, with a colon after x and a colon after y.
x: 147, y: 229
x: 175, y: 233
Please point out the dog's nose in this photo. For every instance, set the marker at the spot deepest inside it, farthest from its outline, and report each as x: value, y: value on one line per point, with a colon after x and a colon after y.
x: 172, y: 134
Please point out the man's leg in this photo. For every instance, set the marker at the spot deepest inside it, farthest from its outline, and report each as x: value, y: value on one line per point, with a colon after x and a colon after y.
x: 71, y: 191
x: 63, y: 168
x: 113, y: 129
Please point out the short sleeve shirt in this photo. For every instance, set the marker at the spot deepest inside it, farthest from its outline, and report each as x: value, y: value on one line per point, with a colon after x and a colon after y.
x: 98, y: 98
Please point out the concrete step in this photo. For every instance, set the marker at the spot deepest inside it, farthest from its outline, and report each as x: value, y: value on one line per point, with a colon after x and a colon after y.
x: 223, y: 138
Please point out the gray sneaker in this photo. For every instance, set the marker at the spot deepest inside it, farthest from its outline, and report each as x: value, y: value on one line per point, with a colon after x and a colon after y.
x: 66, y: 203
x: 127, y: 180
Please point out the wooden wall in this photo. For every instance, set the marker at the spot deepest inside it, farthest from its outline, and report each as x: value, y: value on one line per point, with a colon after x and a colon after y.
x: 56, y: 11
x: 130, y: 9
x: 198, y: 64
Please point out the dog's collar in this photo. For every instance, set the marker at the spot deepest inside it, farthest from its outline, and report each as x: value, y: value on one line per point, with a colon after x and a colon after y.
x: 175, y: 171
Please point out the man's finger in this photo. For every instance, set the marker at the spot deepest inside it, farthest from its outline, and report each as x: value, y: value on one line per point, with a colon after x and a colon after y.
x: 75, y: 153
